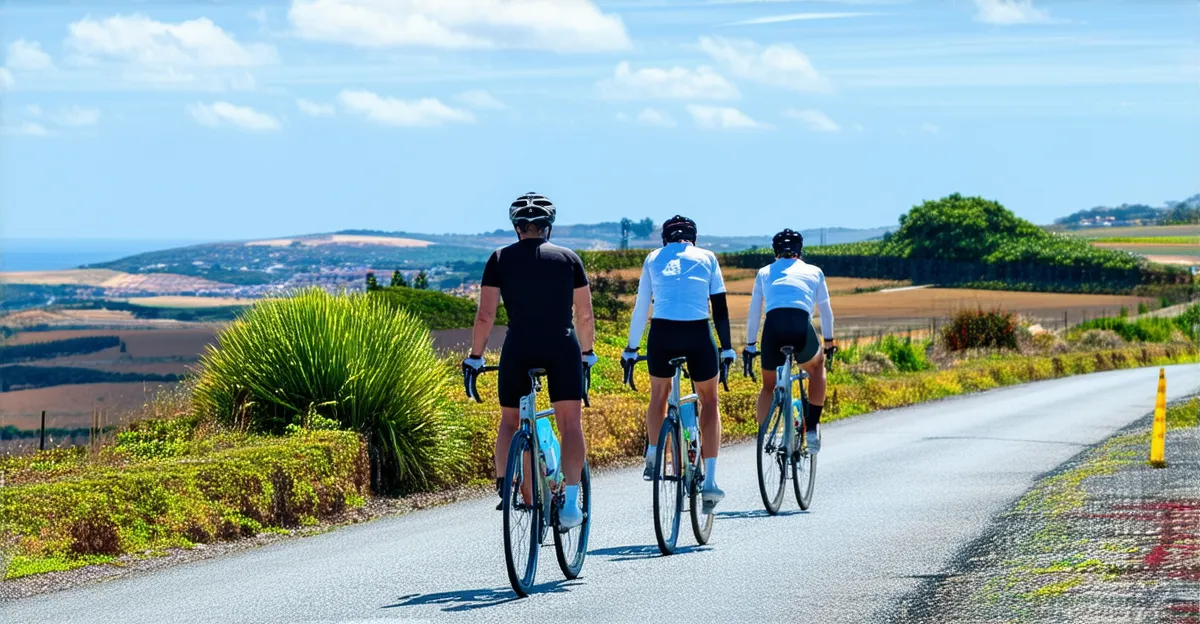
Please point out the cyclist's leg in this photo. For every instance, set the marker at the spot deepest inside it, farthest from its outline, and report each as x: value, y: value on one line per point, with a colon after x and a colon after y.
x: 704, y: 366
x: 815, y: 367
x: 766, y: 394
x: 564, y: 371
x: 774, y: 337
x: 660, y: 349
x: 512, y: 383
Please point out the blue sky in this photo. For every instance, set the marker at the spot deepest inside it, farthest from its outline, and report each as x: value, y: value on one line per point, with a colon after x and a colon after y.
x: 220, y: 120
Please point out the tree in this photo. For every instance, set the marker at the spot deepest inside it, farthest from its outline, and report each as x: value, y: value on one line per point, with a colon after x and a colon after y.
x: 643, y: 228
x: 422, y: 281
x: 398, y: 280
x: 371, y: 283
x: 626, y: 226
x: 959, y: 228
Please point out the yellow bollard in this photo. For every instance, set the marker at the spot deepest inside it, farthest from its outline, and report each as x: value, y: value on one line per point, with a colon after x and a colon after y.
x: 1158, y: 439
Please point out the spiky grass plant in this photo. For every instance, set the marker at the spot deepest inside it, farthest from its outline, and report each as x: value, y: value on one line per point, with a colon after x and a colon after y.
x: 351, y: 358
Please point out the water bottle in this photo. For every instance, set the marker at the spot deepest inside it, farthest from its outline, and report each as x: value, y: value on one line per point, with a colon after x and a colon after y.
x: 797, y: 413
x: 691, y: 432
x: 549, y: 443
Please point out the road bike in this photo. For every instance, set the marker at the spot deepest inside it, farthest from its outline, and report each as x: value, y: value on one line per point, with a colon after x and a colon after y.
x: 679, y: 468
x: 533, y: 493
x: 781, y: 448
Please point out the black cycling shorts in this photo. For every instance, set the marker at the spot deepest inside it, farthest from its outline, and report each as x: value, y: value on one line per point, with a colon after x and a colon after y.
x: 788, y: 327
x: 559, y: 354
x: 691, y: 339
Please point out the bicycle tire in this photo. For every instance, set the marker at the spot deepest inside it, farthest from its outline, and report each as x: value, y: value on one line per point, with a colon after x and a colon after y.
x: 701, y: 530
x: 770, y: 459
x: 570, y: 560
x: 804, y: 469
x: 522, y: 583
x: 669, y: 450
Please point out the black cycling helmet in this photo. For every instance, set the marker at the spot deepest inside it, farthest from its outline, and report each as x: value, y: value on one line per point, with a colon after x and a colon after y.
x: 532, y: 208
x: 788, y: 243
x: 678, y: 229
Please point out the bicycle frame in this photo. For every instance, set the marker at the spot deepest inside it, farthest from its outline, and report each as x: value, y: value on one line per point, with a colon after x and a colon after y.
x: 528, y: 427
x: 783, y: 394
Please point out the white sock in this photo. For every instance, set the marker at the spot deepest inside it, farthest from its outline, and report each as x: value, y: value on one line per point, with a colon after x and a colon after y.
x: 651, y: 451
x: 710, y: 472
x: 571, y: 493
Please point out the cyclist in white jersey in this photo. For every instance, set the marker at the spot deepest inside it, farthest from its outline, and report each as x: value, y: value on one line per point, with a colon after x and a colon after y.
x: 790, y: 288
x: 682, y: 280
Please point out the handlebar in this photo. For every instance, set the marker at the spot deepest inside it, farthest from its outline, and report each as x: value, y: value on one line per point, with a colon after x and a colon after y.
x: 471, y: 376
x: 628, y: 365
x: 748, y: 361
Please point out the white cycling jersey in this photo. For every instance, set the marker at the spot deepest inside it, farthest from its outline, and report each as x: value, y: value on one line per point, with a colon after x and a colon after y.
x: 679, y: 278
x: 790, y: 283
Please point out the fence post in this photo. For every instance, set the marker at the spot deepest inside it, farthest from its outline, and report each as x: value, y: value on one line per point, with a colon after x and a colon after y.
x: 42, y: 443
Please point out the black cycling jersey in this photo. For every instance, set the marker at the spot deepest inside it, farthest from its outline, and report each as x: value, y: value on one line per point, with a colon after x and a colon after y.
x: 537, y: 281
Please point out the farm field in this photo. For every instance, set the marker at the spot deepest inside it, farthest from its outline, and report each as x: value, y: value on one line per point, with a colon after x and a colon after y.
x: 167, y: 301
x: 71, y: 406
x: 107, y: 278
x: 1186, y: 254
x: 85, y: 318
x: 1137, y: 232
x: 873, y: 311
x: 342, y: 239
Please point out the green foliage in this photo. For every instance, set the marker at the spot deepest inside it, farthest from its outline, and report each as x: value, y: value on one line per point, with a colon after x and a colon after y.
x: 908, y: 356
x: 436, y: 309
x: 109, y: 510
x: 352, y: 358
x: 372, y: 283
x: 958, y: 228
x: 56, y: 348
x: 980, y: 329
x: 422, y: 281
x: 398, y: 280
x: 1188, y: 320
x: 1140, y: 330
x: 156, y: 438
x: 1142, y: 307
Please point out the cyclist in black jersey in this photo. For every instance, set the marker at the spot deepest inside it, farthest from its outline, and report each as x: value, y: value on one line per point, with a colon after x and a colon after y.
x: 542, y: 286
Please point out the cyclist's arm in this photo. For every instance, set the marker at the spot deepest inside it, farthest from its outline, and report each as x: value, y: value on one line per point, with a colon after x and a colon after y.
x: 641, y: 308
x: 585, y: 320
x: 485, y: 319
x: 756, y: 306
x: 720, y: 306
x: 489, y: 301
x: 822, y: 296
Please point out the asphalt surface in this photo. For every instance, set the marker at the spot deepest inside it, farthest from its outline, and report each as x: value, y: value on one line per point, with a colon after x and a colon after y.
x: 898, y: 495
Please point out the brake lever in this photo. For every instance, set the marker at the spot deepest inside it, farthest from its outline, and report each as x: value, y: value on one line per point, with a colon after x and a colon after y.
x: 587, y: 385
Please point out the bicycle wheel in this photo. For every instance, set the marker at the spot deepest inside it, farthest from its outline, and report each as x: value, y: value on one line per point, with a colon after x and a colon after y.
x: 571, y: 546
x: 772, y: 459
x: 701, y: 522
x: 522, y: 520
x: 668, y: 485
x: 804, y: 475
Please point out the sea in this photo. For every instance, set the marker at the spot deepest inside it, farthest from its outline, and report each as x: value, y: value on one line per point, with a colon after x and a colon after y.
x: 49, y: 254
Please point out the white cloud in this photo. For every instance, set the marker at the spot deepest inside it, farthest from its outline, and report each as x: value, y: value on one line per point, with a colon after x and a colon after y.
x: 1007, y: 12
x: 555, y: 25
x: 26, y: 128
x: 677, y: 82
x: 814, y: 119
x: 930, y: 128
x: 313, y: 109
x: 722, y: 118
x: 220, y: 113
x: 27, y: 55
x: 394, y: 112
x: 779, y: 65
x: 480, y: 99
x: 6, y: 79
x: 73, y: 116
x: 796, y: 17
x: 139, y: 40
x: 654, y: 117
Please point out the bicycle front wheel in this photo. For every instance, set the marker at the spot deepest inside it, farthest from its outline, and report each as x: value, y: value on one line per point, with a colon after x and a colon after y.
x: 668, y: 485
x: 772, y: 459
x: 522, y: 514
x: 571, y: 546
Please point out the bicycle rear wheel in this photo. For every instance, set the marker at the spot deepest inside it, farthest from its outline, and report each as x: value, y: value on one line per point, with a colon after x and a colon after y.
x: 804, y: 475
x: 522, y: 519
x: 772, y: 459
x: 701, y: 522
x: 571, y: 547
x: 668, y: 485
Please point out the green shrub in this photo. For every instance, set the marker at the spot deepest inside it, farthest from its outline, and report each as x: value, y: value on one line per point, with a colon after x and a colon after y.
x: 1188, y: 321
x: 909, y: 357
x: 980, y: 329
x: 1140, y: 330
x: 437, y: 309
x: 1142, y: 307
x: 351, y: 358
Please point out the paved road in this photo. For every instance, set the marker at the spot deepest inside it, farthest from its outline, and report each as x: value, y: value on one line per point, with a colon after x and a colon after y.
x: 898, y: 493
